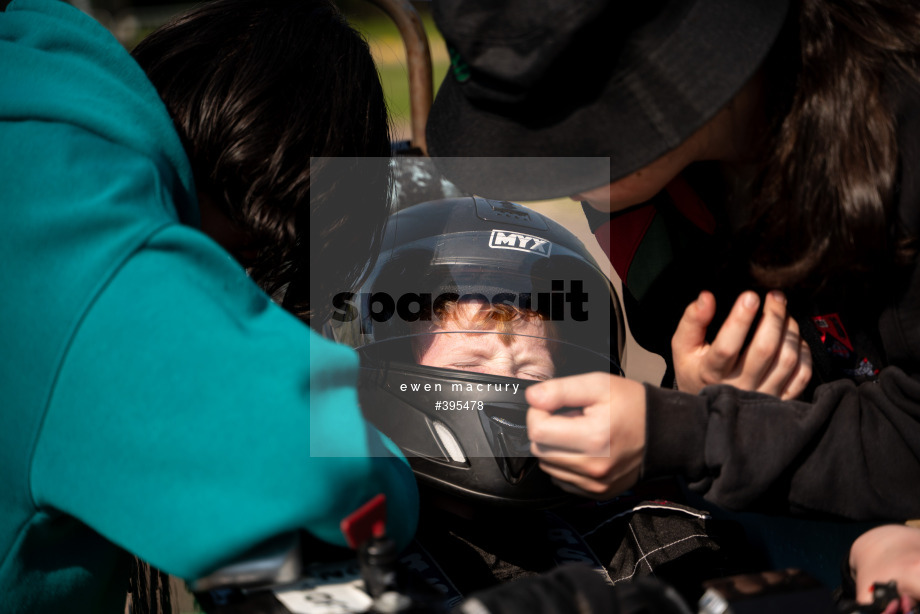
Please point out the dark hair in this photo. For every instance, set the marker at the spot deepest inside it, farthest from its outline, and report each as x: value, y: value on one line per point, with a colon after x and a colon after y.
x: 825, y: 203
x: 257, y: 87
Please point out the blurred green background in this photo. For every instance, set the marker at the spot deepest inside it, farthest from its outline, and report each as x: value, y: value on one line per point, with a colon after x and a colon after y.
x: 389, y: 53
x: 132, y: 20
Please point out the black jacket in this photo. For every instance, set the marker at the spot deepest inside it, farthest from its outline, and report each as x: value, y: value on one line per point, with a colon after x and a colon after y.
x: 622, y: 540
x: 851, y: 450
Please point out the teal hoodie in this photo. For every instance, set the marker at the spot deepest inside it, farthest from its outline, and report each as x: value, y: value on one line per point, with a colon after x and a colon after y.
x: 154, y: 400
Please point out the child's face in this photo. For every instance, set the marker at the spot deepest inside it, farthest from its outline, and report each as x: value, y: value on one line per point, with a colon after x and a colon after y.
x: 481, y: 350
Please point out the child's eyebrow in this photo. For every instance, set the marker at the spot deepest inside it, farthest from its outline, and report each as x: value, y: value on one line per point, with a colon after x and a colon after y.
x: 470, y: 352
x: 532, y: 357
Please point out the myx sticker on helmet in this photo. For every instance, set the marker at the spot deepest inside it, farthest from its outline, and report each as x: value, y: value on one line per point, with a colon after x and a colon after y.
x: 506, y: 239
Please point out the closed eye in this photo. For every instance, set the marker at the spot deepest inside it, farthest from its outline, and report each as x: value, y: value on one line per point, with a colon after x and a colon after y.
x: 536, y: 375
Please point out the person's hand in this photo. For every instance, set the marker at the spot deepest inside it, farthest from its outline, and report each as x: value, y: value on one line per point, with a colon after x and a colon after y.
x: 883, y: 554
x: 588, y: 432
x: 777, y: 361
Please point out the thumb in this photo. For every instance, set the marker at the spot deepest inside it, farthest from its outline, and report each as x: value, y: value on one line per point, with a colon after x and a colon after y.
x: 691, y: 330
x: 573, y: 391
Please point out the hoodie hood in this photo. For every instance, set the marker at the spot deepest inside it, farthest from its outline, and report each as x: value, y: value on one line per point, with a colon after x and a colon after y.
x: 61, y: 65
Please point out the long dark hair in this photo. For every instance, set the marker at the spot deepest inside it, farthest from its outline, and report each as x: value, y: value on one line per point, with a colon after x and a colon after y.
x: 826, y: 200
x: 255, y: 88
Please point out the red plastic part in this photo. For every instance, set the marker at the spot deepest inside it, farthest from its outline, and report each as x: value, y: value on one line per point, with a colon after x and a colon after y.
x: 367, y: 521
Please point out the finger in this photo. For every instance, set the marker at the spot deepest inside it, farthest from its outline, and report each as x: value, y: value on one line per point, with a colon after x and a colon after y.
x: 585, y: 486
x: 570, y: 436
x: 589, y: 486
x: 909, y: 586
x: 773, y: 348
x: 726, y: 348
x: 785, y: 365
x: 802, y: 376
x: 769, y: 340
x: 574, y: 391
x: 865, y: 590
x: 691, y: 330
x: 571, y: 453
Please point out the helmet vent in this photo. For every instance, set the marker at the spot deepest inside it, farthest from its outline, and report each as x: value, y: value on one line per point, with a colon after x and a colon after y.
x: 449, y: 442
x: 509, y: 213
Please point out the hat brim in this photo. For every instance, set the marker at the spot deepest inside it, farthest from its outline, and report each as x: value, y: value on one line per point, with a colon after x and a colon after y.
x: 652, y: 102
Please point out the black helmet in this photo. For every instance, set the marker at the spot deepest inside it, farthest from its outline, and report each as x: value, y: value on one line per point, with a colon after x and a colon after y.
x: 541, y: 306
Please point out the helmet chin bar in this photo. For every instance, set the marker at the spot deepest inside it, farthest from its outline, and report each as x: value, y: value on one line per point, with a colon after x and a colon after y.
x: 481, y: 454
x: 479, y: 451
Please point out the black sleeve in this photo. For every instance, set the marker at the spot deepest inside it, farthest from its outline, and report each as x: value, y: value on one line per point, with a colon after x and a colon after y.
x: 853, y: 452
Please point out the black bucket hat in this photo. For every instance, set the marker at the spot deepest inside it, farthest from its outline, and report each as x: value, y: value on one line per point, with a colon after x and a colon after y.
x: 619, y: 82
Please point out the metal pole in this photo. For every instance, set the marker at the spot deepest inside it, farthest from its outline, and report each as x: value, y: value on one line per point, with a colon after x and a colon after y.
x: 418, y: 59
